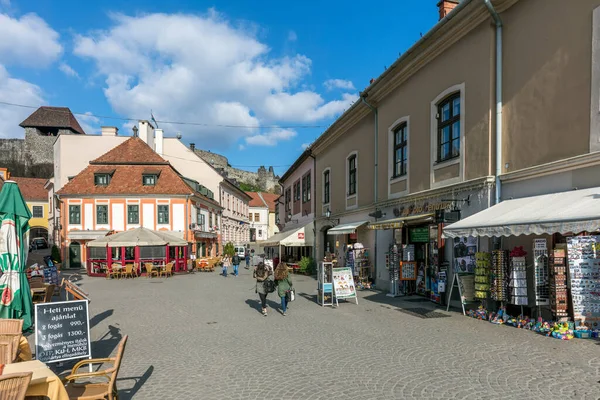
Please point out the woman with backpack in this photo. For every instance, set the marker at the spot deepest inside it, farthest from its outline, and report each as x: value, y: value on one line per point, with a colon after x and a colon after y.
x: 284, y: 285
x: 261, y: 274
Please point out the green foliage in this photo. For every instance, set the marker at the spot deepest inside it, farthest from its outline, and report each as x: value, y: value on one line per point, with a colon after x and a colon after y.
x: 246, y: 187
x: 229, y: 249
x: 56, y: 254
x: 307, y: 265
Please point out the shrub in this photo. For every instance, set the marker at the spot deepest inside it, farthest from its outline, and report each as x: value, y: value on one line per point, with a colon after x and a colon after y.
x: 229, y: 249
x: 307, y: 265
x: 56, y: 254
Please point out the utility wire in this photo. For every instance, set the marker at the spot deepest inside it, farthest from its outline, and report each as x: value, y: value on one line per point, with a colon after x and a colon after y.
x: 231, y: 165
x: 178, y: 122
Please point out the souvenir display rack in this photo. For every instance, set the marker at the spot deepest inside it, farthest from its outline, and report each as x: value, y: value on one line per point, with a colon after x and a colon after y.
x: 482, y: 275
x: 499, y: 286
x: 408, y: 271
x: 361, y: 267
x: 558, y: 284
x: 392, y: 263
x: 518, y: 281
x: 584, y: 275
x: 540, y: 257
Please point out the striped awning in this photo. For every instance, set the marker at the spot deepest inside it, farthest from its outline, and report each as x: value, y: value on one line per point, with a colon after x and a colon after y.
x: 346, y: 229
x: 399, y: 222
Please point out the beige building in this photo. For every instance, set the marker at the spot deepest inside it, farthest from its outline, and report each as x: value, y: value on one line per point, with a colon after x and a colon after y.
x: 423, y: 138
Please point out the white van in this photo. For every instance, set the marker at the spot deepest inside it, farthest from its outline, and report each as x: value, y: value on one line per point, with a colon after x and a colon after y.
x: 240, y: 251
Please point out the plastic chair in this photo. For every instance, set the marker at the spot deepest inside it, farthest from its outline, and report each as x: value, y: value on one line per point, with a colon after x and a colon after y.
x: 14, y: 386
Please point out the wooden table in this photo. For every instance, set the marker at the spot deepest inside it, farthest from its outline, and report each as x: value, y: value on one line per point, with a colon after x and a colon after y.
x: 44, y: 382
x: 25, y: 350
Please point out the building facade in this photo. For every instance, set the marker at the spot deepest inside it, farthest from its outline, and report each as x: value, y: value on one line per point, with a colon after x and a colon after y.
x: 36, y: 198
x: 261, y: 215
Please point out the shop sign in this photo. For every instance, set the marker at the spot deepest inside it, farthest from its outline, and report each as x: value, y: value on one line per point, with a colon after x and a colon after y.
x: 353, y: 236
x: 343, y: 283
x: 301, y: 235
x: 419, y: 235
x: 424, y: 208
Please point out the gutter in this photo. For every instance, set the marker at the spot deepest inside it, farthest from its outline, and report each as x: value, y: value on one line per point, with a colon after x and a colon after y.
x: 313, y: 199
x: 499, y: 99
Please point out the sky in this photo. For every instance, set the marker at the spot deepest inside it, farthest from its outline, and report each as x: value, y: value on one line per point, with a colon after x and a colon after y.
x: 254, y: 81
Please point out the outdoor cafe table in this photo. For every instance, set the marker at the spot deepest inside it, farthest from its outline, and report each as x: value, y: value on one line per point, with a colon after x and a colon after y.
x: 44, y: 382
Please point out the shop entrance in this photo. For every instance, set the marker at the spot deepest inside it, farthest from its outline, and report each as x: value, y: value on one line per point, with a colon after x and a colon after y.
x: 75, y: 255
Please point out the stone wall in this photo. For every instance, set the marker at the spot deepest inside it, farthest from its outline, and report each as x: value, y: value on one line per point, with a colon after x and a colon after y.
x: 40, y: 148
x: 30, y: 157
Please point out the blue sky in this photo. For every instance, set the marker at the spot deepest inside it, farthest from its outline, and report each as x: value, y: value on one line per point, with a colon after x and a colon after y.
x: 267, y: 69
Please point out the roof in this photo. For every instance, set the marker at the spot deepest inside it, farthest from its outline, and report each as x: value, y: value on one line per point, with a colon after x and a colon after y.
x: 126, y: 180
x: 256, y: 201
x: 53, y: 117
x: 32, y: 188
x: 271, y: 200
x: 305, y: 154
x: 132, y: 151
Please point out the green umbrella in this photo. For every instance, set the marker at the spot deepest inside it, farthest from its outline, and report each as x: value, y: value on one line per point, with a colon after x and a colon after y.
x: 14, y: 246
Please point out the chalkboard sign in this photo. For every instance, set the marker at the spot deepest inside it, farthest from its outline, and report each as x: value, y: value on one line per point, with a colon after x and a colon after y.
x: 62, y: 331
x: 419, y: 235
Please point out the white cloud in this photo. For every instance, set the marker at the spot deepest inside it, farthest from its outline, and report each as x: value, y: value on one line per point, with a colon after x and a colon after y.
x: 17, y: 91
x: 89, y: 123
x: 271, y: 138
x: 67, y: 70
x: 331, y: 84
x: 28, y: 41
x: 304, y: 146
x: 241, y: 147
x: 292, y: 36
x: 201, y: 69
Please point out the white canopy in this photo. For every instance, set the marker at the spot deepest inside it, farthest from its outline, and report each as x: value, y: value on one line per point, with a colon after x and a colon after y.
x: 138, y: 237
x: 295, y: 237
x: 575, y: 211
x: 345, y: 229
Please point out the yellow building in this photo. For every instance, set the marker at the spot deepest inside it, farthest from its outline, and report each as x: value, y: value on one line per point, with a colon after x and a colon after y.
x: 37, y: 199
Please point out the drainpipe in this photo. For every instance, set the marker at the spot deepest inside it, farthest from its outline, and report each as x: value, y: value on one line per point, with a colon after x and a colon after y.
x: 363, y: 97
x: 499, y: 25
x: 187, y: 214
x: 314, y: 201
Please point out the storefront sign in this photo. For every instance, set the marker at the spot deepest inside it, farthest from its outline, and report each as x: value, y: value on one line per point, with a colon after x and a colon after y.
x: 62, y: 331
x: 424, y: 208
x: 301, y: 235
x: 343, y: 283
x: 419, y: 235
x: 353, y: 236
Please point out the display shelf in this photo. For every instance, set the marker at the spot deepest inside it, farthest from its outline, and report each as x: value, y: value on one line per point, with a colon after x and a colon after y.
x: 558, y: 284
x: 518, y: 281
x: 482, y: 275
x: 541, y: 273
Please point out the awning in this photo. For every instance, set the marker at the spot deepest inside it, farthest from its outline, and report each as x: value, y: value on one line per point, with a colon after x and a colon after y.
x: 86, y: 235
x: 296, y: 237
x: 138, y: 237
x: 575, y: 211
x: 345, y: 229
x: 399, y: 222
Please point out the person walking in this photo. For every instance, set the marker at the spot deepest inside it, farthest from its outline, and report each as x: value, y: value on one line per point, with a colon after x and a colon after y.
x: 261, y: 274
x: 236, y: 264
x: 284, y: 285
x: 226, y: 263
x: 247, y: 260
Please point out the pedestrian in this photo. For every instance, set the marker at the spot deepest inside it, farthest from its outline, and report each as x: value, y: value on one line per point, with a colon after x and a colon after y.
x: 247, y: 259
x: 284, y: 285
x: 226, y: 262
x: 261, y: 274
x: 236, y: 264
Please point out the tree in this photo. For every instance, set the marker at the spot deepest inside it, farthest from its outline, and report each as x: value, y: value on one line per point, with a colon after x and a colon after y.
x: 229, y: 249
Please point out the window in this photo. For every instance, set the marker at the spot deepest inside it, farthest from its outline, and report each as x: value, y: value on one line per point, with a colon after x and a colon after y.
x: 250, y: 217
x: 228, y: 202
x: 256, y: 217
x: 75, y: 215
x: 326, y: 187
x: 449, y: 128
x: 297, y: 191
x: 352, y: 175
x: 163, y: 214
x: 102, y: 214
x: 101, y: 179
x: 133, y: 214
x: 149, y: 180
x: 400, y: 150
x: 308, y: 187
x: 210, y: 220
x: 37, y: 211
x: 200, y: 219
x: 288, y: 199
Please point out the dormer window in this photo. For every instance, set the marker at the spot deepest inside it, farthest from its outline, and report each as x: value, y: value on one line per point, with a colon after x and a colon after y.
x: 101, y: 179
x: 149, y: 180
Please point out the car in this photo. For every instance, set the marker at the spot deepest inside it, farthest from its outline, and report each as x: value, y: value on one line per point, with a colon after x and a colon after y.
x: 240, y: 251
x: 39, y: 243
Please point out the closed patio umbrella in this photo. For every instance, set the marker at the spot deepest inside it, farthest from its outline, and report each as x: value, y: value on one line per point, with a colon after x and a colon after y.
x: 14, y: 242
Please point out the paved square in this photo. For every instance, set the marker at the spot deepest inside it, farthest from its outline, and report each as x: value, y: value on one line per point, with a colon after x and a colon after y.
x: 201, y: 336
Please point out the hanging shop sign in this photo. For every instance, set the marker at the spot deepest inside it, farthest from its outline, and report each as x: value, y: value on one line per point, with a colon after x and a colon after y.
x: 419, y: 235
x: 301, y: 235
x: 343, y: 283
x: 584, y: 266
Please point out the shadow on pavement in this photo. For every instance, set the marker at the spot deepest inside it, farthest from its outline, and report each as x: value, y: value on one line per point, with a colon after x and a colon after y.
x: 125, y: 394
x: 310, y: 297
x: 256, y: 304
x: 103, y: 347
x: 96, y: 319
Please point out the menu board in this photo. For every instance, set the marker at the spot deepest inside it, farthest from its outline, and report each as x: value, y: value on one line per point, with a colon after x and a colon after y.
x: 466, y: 287
x: 584, y: 267
x: 62, y: 331
x: 343, y: 283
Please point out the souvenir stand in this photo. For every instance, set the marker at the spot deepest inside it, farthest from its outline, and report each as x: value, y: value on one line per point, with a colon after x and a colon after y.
x: 357, y: 259
x: 558, y: 284
x: 541, y: 274
x: 584, y: 274
x: 392, y: 262
x: 325, y: 283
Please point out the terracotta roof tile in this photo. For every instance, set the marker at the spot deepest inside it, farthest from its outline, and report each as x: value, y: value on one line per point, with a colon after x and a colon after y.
x: 256, y: 200
x: 126, y: 180
x: 32, y: 188
x: 271, y: 200
x: 131, y: 151
x: 263, y: 200
x: 53, y: 117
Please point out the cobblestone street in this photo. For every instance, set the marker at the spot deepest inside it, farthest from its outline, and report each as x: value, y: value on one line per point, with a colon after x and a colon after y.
x: 202, y: 336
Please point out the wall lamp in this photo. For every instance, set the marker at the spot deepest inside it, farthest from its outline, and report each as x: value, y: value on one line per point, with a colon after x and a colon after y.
x: 334, y: 221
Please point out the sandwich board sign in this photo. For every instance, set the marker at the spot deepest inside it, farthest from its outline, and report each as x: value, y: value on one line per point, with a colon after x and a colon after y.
x: 62, y: 331
x: 343, y: 284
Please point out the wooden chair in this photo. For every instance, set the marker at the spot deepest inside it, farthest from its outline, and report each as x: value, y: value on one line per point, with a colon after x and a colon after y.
x: 49, y: 293
x: 36, y: 282
x: 150, y: 270
x: 14, y: 386
x: 6, y: 352
x: 45, y: 297
x: 168, y: 271
x: 128, y: 271
x: 96, y: 391
x: 136, y: 267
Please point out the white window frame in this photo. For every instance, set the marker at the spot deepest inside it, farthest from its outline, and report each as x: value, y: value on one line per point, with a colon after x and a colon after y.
x: 460, y: 88
x: 325, y: 206
x: 391, y: 179
x: 347, y: 179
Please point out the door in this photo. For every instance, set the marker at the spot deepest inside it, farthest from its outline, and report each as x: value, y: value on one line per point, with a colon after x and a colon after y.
x: 75, y: 255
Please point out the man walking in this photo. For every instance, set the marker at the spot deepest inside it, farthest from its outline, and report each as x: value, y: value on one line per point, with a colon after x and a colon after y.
x: 236, y: 264
x: 247, y: 259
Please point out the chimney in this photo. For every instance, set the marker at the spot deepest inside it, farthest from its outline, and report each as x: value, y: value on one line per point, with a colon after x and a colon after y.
x: 193, y: 146
x: 158, y: 141
x: 445, y: 6
x: 371, y: 81
x: 146, y: 133
x: 109, y: 130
